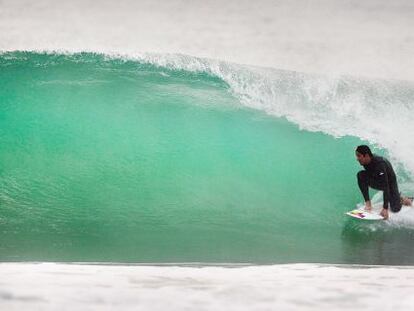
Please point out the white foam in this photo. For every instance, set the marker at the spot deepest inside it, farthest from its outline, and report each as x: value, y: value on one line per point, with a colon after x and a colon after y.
x: 50, y: 286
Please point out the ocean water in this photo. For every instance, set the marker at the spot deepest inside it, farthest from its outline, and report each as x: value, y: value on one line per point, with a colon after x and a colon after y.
x: 200, y: 154
x: 181, y: 159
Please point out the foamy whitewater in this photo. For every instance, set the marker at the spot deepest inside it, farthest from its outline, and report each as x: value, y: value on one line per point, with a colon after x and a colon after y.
x: 50, y: 286
x: 202, y: 131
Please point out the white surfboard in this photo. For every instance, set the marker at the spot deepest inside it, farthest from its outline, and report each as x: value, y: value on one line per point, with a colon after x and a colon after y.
x: 364, y: 215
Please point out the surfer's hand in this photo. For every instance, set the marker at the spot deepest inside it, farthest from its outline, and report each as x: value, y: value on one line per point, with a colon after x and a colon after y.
x: 384, y: 213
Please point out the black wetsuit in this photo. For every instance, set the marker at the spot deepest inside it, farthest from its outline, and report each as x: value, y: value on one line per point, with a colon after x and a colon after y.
x: 379, y: 174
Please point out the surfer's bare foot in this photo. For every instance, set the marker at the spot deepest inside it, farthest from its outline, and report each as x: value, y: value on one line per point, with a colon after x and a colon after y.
x: 406, y: 201
x: 368, y: 206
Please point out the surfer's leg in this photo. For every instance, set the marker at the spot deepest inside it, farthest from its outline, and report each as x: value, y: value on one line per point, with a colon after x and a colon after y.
x: 395, y: 199
x: 395, y: 204
x: 375, y: 184
x: 363, y: 184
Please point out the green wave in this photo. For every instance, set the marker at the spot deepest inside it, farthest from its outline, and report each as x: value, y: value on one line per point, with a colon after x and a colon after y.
x: 115, y: 160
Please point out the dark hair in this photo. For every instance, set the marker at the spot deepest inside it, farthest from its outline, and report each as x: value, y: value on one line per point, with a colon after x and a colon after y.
x: 364, y: 149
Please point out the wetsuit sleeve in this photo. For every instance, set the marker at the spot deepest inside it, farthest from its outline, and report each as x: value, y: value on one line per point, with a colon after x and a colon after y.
x: 383, y: 169
x: 363, y: 184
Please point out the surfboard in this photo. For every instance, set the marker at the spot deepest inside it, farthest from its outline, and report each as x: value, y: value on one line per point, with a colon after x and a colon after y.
x: 364, y: 215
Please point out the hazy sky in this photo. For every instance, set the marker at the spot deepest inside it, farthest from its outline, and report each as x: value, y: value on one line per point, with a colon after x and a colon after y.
x: 370, y: 38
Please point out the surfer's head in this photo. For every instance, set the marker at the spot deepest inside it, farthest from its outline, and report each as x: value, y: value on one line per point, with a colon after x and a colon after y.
x: 363, y: 154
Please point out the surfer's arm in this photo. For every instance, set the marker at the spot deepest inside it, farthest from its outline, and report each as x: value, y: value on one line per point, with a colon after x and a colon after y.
x: 386, y: 191
x: 363, y: 185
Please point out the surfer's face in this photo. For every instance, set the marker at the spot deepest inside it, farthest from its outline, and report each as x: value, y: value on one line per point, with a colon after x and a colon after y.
x: 363, y: 159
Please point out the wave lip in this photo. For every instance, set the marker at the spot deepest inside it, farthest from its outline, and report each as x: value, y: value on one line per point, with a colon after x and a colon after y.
x: 378, y: 111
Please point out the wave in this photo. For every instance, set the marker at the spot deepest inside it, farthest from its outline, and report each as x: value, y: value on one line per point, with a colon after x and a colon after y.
x: 158, y: 167
x: 376, y: 110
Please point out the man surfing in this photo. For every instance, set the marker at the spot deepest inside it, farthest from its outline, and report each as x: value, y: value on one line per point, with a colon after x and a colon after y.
x: 379, y: 174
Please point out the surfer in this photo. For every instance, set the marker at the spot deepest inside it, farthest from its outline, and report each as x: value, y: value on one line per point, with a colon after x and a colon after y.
x: 379, y: 174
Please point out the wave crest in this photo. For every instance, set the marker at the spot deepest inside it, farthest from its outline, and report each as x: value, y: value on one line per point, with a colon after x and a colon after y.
x: 379, y: 111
